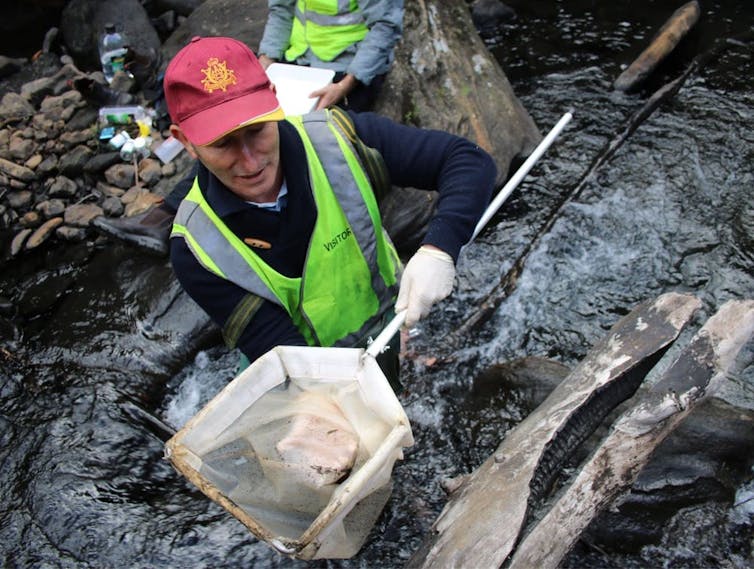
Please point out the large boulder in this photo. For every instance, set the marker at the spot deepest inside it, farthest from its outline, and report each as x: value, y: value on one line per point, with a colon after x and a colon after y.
x: 83, y: 22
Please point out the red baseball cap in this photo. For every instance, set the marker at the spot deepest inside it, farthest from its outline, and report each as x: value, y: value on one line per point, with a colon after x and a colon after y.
x: 216, y: 85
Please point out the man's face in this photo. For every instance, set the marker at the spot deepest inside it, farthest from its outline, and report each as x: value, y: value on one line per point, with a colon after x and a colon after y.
x: 246, y: 161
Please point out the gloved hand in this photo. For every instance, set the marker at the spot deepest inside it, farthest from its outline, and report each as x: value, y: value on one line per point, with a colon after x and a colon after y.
x: 427, y: 279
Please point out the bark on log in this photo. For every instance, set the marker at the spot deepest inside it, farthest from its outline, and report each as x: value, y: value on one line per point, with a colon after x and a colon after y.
x: 481, y: 523
x: 445, y: 78
x: 636, y: 433
x: 664, y: 42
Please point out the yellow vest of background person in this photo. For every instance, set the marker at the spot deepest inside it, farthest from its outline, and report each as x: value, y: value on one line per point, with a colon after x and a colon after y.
x: 326, y: 27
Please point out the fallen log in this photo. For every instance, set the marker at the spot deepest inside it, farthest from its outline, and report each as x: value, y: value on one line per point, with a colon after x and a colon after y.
x: 663, y: 43
x: 636, y: 433
x: 481, y: 523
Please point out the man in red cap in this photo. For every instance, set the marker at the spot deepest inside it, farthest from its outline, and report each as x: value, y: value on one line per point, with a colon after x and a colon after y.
x: 280, y: 238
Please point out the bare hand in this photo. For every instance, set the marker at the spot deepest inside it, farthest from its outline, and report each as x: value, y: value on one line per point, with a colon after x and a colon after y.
x: 333, y: 93
x: 265, y: 61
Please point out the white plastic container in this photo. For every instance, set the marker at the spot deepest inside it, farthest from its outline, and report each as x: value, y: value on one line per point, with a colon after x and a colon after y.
x: 294, y: 83
x: 169, y: 149
x: 228, y: 449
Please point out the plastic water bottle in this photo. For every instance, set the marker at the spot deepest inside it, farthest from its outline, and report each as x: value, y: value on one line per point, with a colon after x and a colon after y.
x: 112, y: 52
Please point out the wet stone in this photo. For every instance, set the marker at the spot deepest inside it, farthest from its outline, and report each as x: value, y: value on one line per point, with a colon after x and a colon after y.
x: 16, y: 171
x: 72, y: 234
x: 101, y: 162
x: 34, y: 161
x: 72, y: 163
x: 35, y: 91
x: 150, y: 171
x: 48, y: 166
x: 112, y: 206
x: 30, y: 219
x: 110, y: 191
x: 81, y: 215
x: 20, y: 148
x: 62, y: 187
x: 17, y: 184
x: 15, y: 107
x: 19, y: 241
x: 120, y: 175
x: 20, y: 200
x: 75, y: 137
x: 51, y: 208
x: 43, y: 233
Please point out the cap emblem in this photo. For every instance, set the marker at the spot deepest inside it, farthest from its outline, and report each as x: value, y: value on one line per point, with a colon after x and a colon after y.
x: 217, y: 75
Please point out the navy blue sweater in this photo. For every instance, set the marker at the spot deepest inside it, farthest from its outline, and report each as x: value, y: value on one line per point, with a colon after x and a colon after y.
x: 459, y: 170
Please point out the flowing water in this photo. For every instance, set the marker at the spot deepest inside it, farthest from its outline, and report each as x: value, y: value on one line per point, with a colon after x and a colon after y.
x: 84, y: 483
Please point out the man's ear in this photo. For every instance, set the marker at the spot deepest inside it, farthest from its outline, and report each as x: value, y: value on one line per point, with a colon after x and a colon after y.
x: 176, y: 131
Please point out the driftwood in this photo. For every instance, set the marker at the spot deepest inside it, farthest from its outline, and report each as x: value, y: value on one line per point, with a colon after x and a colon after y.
x: 480, y: 524
x: 636, y: 433
x: 664, y: 42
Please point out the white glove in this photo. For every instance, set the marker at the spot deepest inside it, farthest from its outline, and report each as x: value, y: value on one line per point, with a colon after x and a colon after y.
x: 427, y: 279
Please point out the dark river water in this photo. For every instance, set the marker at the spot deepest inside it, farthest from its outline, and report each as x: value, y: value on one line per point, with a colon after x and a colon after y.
x: 83, y: 481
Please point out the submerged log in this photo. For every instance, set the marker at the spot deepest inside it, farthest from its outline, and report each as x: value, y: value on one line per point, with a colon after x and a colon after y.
x: 636, y: 433
x: 481, y: 523
x: 664, y: 42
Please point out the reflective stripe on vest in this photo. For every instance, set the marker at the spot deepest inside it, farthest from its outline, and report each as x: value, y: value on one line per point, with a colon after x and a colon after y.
x: 327, y: 27
x: 347, y: 236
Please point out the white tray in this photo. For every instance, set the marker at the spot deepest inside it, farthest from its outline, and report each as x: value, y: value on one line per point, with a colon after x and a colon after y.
x: 293, y: 83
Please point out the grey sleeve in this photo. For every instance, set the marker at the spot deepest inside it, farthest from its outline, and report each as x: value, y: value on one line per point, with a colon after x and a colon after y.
x: 277, y: 29
x: 384, y: 18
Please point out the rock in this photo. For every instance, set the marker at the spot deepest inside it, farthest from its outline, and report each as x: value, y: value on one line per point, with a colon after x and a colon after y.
x: 83, y: 21
x: 30, y: 219
x: 48, y: 166
x: 62, y: 187
x: 112, y: 207
x: 16, y: 171
x: 74, y: 234
x: 33, y: 161
x: 43, y: 233
x: 20, y: 148
x: 81, y: 215
x: 101, y: 162
x: 51, y: 208
x: 45, y: 128
x: 19, y: 241
x: 10, y: 65
x: 61, y: 107
x: 150, y: 171
x: 14, y: 107
x: 75, y: 137
x: 488, y: 14
x: 20, y: 200
x: 182, y: 7
x: 110, y: 191
x: 121, y: 175
x: 72, y: 163
x: 35, y: 91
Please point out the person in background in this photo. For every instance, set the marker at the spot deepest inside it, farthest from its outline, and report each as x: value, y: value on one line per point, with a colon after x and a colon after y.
x: 355, y: 40
x: 279, y: 238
